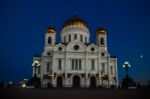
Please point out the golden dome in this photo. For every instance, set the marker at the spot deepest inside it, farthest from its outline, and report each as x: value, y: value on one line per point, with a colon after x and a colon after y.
x: 101, y: 30
x: 75, y: 20
x: 50, y: 30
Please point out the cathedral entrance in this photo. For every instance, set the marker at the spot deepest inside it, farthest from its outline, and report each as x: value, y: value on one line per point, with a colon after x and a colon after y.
x: 92, y: 81
x: 59, y: 82
x: 76, y: 81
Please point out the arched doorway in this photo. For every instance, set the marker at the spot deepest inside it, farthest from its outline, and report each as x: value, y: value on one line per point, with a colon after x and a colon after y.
x: 59, y: 82
x: 92, y: 81
x: 76, y: 81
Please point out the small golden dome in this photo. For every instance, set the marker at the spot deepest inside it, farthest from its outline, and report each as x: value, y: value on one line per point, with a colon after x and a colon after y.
x: 50, y: 30
x: 75, y: 20
x: 101, y: 30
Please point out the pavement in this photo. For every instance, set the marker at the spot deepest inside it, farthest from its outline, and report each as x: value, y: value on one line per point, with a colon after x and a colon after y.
x: 24, y: 93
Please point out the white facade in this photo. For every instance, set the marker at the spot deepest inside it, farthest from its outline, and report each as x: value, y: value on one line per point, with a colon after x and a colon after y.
x: 75, y: 62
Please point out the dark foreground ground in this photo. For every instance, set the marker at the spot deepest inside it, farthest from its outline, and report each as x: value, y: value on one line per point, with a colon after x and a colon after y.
x: 74, y: 94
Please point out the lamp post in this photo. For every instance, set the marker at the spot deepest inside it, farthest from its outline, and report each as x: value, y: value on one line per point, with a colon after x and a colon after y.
x: 126, y: 66
x: 35, y: 64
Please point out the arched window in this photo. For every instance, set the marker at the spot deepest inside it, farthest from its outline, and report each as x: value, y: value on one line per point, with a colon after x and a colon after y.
x: 75, y: 37
x: 102, y: 41
x: 48, y: 67
x: 92, y: 64
x: 49, y: 40
x: 64, y: 39
x: 103, y: 68
x: 85, y: 39
x: 73, y: 66
x: 76, y: 64
x: 69, y: 38
x: 59, y: 64
x: 81, y: 38
x: 80, y: 64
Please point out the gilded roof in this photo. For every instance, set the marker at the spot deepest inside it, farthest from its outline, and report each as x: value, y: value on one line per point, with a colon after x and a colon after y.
x: 50, y: 30
x: 101, y: 30
x: 75, y: 20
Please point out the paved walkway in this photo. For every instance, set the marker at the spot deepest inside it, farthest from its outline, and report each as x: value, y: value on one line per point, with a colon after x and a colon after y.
x: 73, y: 94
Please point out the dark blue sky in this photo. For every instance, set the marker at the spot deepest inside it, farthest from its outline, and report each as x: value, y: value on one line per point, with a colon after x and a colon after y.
x: 23, y: 22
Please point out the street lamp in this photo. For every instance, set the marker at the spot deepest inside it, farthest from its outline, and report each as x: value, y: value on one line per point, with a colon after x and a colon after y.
x: 35, y: 64
x: 23, y: 85
x: 126, y: 66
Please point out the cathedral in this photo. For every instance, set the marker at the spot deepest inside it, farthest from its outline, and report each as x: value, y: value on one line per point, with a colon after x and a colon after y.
x: 74, y: 61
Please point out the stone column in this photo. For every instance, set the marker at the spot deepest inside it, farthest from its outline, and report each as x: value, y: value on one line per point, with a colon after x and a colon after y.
x: 65, y: 70
x: 108, y: 70
x: 52, y: 65
x: 116, y: 73
x: 86, y: 70
x: 99, y: 68
x: 42, y: 71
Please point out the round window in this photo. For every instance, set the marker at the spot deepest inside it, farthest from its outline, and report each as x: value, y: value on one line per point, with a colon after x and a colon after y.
x: 76, y: 47
x: 59, y: 48
x: 92, y: 49
x: 103, y: 54
x: 48, y: 53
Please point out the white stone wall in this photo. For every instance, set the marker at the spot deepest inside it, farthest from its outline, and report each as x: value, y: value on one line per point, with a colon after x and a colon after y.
x: 85, y: 54
x: 52, y: 54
